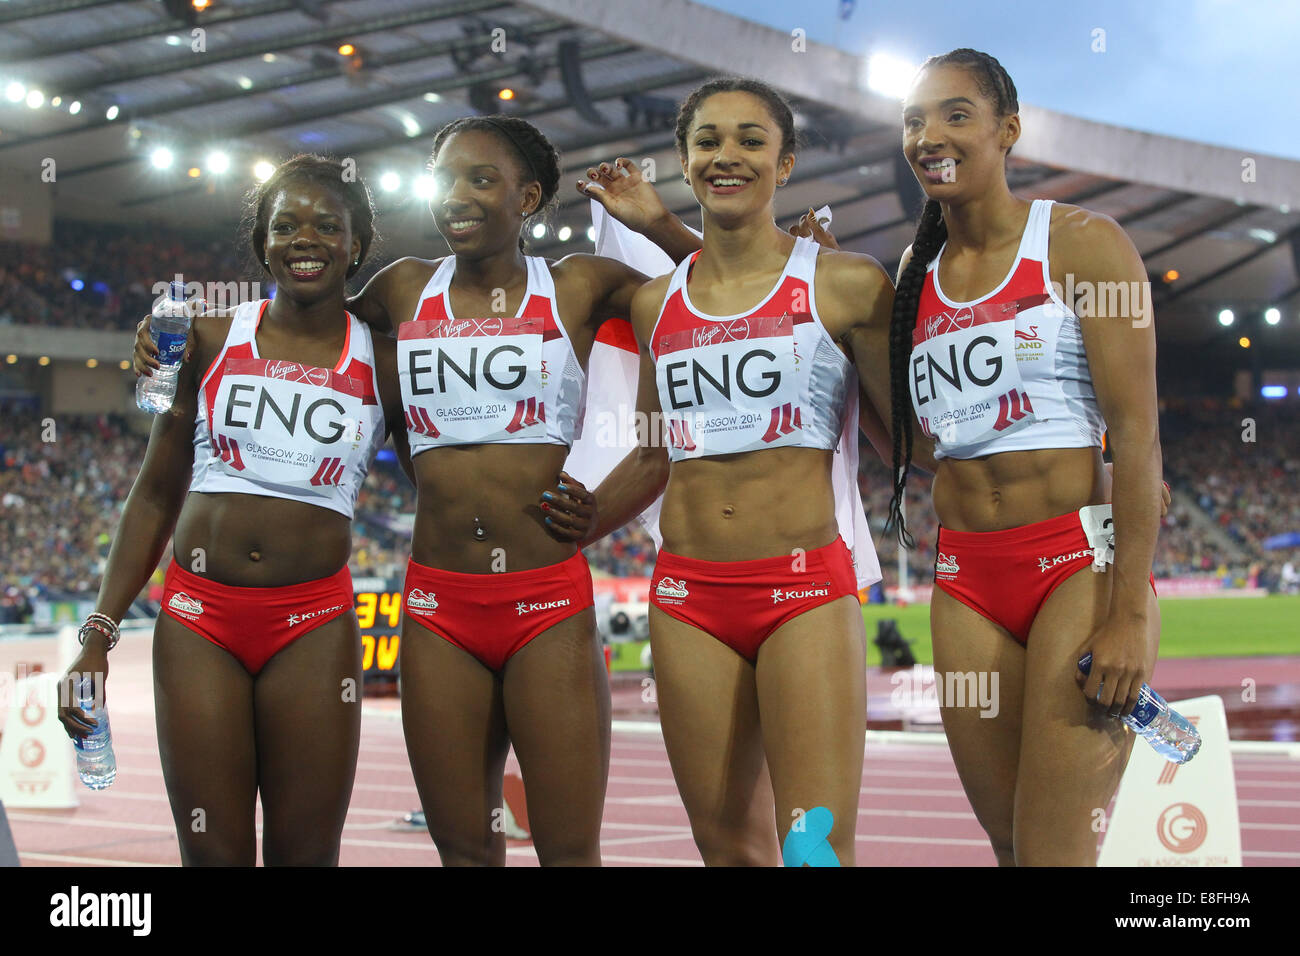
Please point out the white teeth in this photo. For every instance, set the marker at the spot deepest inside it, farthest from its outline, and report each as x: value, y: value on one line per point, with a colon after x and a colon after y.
x: 728, y: 182
x: 460, y: 225
x: 306, y: 266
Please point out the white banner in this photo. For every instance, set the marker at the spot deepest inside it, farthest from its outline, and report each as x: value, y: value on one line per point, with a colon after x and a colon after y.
x: 36, y: 755
x: 1169, y: 814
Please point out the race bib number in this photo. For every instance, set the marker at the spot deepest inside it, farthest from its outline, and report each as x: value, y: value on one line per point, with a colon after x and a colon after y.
x: 474, y: 380
x: 289, y: 425
x: 730, y: 386
x: 966, y: 387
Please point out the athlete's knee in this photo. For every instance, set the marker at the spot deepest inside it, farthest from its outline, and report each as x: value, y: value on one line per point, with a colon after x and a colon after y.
x: 728, y: 846
x: 1054, y: 848
x: 210, y: 851
x: 1004, y: 847
x: 572, y: 847
x: 315, y: 851
x: 460, y: 849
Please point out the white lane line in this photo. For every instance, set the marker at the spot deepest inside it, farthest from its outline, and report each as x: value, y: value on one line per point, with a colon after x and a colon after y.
x: 921, y: 814
x: 649, y: 860
x: 85, y: 860
x: 661, y: 838
x: 1270, y: 826
x: 935, y: 841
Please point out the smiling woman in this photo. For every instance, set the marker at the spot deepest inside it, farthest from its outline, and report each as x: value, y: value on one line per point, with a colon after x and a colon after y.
x: 752, y: 347
x: 257, y: 643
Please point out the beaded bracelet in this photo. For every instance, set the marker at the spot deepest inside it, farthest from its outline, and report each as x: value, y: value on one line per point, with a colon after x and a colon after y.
x: 104, y: 625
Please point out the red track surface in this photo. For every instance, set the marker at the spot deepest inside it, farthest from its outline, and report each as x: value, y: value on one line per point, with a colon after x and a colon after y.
x: 912, y: 810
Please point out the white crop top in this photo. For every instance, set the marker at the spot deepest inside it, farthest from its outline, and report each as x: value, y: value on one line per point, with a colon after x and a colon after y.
x: 284, y: 429
x: 471, y: 381
x: 1006, y: 372
x: 771, y: 377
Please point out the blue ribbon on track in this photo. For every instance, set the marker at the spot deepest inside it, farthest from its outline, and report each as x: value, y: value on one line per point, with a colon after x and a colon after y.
x: 809, y: 846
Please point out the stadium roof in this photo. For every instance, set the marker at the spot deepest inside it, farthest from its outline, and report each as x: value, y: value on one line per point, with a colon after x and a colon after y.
x: 265, y: 79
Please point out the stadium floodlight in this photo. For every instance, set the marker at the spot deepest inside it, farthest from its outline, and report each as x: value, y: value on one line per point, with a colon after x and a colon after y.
x: 262, y: 170
x: 35, y: 99
x: 889, y: 75
x: 1272, y: 316
x: 423, y: 187
x: 173, y: 40
x: 410, y: 125
x: 218, y: 162
x: 538, y: 231
x: 162, y: 157
x: 591, y: 233
x: 1273, y: 391
x: 75, y: 108
x: 564, y: 233
x: 245, y: 83
x: 389, y: 181
x: 1226, y: 318
x: 111, y: 113
x: 15, y: 92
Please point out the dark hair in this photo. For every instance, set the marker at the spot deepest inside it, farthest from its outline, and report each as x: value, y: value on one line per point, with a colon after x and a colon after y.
x: 776, y: 105
x: 931, y: 234
x: 993, y: 81
x: 540, y: 161
x: 330, y: 174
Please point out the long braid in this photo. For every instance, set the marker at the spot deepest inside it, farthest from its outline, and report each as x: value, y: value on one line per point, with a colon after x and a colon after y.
x: 931, y: 233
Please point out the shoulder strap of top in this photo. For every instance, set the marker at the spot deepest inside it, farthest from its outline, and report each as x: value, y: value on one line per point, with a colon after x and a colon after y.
x: 803, y: 259
x: 540, y: 280
x: 1033, y: 244
x: 679, y: 274
x: 441, y: 279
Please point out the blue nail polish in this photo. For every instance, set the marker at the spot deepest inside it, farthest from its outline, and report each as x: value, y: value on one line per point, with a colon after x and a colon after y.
x: 548, y: 496
x: 563, y: 486
x: 548, y: 521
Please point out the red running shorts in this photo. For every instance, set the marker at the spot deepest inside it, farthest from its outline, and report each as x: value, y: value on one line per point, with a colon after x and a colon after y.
x: 1006, y: 576
x: 742, y: 602
x: 492, y: 616
x: 253, y: 624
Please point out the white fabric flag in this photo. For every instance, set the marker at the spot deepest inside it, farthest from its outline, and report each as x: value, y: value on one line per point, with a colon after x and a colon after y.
x: 609, y: 433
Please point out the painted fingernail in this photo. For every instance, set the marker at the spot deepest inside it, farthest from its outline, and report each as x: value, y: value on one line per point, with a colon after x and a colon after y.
x: 549, y: 521
x: 545, y: 506
x: 548, y: 496
x: 563, y: 486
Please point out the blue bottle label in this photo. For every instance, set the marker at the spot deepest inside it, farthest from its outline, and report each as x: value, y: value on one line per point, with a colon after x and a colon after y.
x: 171, y: 347
x: 1148, y: 705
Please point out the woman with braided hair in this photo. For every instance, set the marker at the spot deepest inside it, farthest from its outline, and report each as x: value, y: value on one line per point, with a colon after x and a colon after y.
x: 1015, y: 387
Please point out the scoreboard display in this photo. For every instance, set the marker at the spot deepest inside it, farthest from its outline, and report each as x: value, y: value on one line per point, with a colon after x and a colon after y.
x: 379, y: 613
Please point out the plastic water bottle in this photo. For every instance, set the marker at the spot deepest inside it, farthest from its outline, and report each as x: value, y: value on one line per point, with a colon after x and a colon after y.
x: 170, y: 327
x: 1168, y: 732
x: 96, y: 764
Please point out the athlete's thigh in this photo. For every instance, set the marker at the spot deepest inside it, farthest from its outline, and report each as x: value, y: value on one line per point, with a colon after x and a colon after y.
x: 454, y: 721
x: 708, y: 709
x: 203, y: 706
x: 308, y: 711
x: 556, y: 694
x: 984, y: 741
x: 1071, y: 755
x: 812, y: 700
